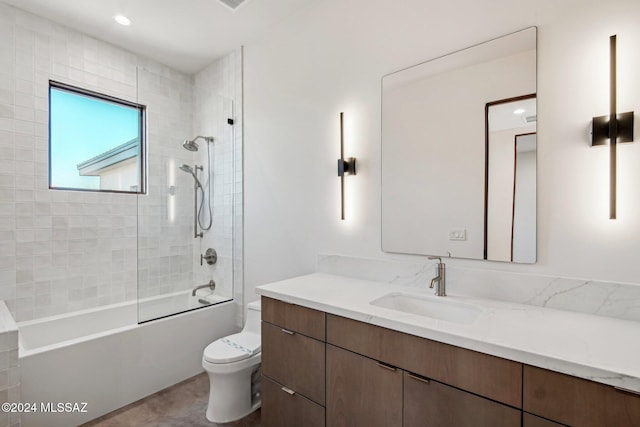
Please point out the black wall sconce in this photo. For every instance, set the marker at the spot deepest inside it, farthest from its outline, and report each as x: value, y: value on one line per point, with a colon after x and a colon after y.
x: 612, y: 129
x: 345, y: 166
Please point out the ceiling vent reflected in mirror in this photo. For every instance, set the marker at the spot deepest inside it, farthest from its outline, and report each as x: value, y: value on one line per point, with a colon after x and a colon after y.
x: 512, y: 115
x: 232, y: 4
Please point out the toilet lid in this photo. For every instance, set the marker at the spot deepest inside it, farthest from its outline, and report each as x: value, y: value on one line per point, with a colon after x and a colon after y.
x: 233, y: 348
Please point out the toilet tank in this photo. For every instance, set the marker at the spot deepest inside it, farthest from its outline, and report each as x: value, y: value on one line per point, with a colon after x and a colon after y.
x: 252, y: 323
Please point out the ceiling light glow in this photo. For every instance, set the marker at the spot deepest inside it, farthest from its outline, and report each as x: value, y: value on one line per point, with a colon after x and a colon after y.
x: 122, y: 20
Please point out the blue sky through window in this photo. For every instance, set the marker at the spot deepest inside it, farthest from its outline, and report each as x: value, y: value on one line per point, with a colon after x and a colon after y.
x: 83, y: 127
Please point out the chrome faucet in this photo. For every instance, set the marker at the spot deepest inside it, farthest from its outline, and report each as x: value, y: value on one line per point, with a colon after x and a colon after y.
x: 211, y: 285
x: 441, y: 288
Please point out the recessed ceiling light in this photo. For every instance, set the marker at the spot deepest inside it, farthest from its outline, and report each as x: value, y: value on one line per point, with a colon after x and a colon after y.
x: 122, y: 20
x: 518, y: 111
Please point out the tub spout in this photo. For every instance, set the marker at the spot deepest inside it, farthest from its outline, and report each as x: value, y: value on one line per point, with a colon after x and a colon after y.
x: 211, y: 285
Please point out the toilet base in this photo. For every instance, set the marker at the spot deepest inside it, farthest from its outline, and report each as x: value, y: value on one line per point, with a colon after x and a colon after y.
x: 238, y: 417
x: 232, y: 395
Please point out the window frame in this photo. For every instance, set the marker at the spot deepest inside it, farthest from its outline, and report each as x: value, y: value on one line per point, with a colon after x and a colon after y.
x: 142, y: 153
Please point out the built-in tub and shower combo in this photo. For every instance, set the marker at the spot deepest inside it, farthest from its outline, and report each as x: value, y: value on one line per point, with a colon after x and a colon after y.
x: 110, y: 356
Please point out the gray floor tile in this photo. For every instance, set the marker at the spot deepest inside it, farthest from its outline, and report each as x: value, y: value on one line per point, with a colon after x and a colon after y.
x: 182, y: 405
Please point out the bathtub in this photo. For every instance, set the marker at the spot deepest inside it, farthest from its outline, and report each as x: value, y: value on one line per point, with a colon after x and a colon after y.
x: 101, y: 359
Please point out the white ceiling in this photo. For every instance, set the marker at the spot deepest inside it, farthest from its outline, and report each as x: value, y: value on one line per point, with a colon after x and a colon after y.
x: 184, y: 34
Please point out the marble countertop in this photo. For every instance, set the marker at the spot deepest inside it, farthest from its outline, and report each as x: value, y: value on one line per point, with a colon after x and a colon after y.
x: 597, y: 348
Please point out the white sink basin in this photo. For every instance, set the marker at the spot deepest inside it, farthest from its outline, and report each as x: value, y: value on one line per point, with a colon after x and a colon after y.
x: 434, y: 307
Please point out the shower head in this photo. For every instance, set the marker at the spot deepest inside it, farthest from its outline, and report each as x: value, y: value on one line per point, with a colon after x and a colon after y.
x: 191, y: 145
x: 185, y: 168
x: 188, y: 169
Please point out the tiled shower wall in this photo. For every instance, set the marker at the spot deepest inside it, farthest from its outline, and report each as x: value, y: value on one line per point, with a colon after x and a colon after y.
x: 62, y: 251
x: 166, y: 244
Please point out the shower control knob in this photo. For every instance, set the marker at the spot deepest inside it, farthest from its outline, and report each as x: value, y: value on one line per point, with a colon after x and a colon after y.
x: 210, y: 256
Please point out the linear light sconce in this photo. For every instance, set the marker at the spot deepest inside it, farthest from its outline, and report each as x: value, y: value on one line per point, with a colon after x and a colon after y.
x: 612, y: 129
x: 345, y: 166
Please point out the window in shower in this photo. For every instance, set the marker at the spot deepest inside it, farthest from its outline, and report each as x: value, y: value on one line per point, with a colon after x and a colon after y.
x: 96, y: 142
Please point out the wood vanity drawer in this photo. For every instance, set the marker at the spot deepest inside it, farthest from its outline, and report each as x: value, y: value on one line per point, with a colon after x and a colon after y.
x: 294, y: 360
x: 578, y: 402
x: 281, y: 408
x: 362, y: 392
x: 529, y: 420
x: 489, y: 376
x: 446, y: 406
x: 295, y: 318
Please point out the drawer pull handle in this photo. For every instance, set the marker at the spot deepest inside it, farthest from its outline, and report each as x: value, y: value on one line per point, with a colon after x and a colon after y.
x: 288, y: 391
x: 286, y: 331
x: 418, y: 378
x: 385, y: 366
x: 626, y: 390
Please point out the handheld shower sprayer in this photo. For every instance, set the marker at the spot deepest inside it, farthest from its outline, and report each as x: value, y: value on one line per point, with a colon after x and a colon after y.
x: 186, y: 168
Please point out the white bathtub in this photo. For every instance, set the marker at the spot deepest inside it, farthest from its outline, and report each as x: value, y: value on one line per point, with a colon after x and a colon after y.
x: 104, y: 358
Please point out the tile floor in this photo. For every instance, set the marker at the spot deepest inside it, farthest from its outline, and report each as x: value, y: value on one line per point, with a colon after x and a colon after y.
x: 183, y: 404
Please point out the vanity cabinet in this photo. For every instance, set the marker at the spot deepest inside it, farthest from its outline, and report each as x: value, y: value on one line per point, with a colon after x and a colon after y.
x: 293, y: 365
x: 294, y: 317
x: 578, y: 402
x: 281, y: 408
x: 446, y: 406
x: 482, y: 374
x: 294, y: 360
x: 423, y: 380
x: 529, y: 420
x: 325, y: 370
x: 368, y: 393
x: 362, y: 392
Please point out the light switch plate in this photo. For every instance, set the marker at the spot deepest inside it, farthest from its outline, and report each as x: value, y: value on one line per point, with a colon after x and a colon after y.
x: 458, y: 234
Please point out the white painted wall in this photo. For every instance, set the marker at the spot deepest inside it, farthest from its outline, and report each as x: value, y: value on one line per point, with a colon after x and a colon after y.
x: 121, y: 177
x: 500, y: 209
x: 331, y: 58
x: 500, y: 195
x: 524, y: 209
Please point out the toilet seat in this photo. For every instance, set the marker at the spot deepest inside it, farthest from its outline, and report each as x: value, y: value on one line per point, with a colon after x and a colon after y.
x: 233, y: 348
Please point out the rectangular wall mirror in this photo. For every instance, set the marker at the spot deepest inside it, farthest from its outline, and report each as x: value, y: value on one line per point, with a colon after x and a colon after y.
x: 459, y: 153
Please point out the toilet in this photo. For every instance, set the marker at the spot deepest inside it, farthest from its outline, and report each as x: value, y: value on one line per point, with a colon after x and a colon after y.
x: 233, y: 365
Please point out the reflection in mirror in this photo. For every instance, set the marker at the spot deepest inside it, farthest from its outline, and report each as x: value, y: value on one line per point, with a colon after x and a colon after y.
x: 434, y: 171
x: 511, y: 180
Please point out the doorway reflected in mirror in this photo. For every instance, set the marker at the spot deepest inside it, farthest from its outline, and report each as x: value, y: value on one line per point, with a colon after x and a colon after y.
x: 510, y: 208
